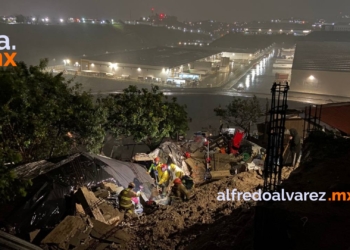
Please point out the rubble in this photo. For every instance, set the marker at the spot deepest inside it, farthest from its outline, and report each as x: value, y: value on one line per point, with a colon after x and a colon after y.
x: 97, y: 224
x: 173, y: 227
x: 90, y: 203
x: 111, y: 187
x: 97, y: 208
x: 102, y: 193
x: 62, y: 234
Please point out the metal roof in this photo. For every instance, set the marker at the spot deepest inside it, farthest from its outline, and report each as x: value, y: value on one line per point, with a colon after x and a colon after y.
x: 332, y: 112
x: 322, y: 56
x: 160, y: 56
x: 327, y: 36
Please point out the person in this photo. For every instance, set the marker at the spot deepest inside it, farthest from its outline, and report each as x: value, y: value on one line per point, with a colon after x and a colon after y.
x: 125, y: 199
x: 176, y: 171
x: 179, y: 191
x: 153, y: 168
x: 294, y: 144
x: 164, y: 176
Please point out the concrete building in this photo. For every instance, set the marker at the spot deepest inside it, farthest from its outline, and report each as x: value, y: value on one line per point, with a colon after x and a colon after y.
x: 240, y: 54
x: 327, y: 36
x: 322, y: 68
x: 295, y: 29
x: 155, y: 64
x: 343, y: 26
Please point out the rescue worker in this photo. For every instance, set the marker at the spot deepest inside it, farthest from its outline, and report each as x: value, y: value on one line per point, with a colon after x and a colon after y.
x: 125, y: 198
x: 164, y: 176
x: 179, y: 191
x: 153, y: 168
x: 176, y: 171
x: 295, y: 145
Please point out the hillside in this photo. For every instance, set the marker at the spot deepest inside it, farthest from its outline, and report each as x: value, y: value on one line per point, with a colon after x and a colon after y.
x: 73, y: 40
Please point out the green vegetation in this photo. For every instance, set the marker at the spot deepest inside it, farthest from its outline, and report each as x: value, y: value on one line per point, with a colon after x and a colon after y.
x: 148, y: 116
x: 240, y: 112
x: 44, y: 115
x: 41, y: 116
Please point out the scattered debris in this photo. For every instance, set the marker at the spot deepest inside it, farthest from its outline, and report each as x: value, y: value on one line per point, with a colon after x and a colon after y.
x: 62, y: 234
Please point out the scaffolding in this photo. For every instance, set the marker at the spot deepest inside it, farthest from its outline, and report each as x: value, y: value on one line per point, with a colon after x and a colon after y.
x: 312, y: 118
x: 275, y: 147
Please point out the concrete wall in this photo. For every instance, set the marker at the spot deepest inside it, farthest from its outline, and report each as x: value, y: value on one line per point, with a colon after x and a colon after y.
x: 285, y: 61
x: 202, y: 65
x: 134, y: 71
x: 321, y: 82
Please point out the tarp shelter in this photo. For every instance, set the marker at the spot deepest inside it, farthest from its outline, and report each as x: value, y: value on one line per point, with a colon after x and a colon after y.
x: 49, y: 201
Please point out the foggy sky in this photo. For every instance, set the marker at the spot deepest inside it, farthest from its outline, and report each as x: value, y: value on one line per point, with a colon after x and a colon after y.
x: 221, y: 10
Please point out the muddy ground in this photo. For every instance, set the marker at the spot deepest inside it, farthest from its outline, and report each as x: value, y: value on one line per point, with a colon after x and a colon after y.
x: 201, y: 223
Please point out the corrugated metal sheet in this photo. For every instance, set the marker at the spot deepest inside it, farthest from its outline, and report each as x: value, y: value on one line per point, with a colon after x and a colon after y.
x: 322, y: 56
x: 336, y: 116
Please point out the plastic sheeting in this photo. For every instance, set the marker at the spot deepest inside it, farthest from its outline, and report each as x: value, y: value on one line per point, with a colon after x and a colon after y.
x: 49, y: 200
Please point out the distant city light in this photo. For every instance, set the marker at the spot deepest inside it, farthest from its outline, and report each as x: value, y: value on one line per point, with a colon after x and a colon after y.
x: 61, y: 20
x: 33, y: 19
x: 46, y: 19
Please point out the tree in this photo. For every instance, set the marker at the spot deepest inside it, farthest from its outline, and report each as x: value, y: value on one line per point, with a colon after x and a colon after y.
x: 10, y: 185
x: 241, y: 112
x: 145, y: 115
x: 42, y: 115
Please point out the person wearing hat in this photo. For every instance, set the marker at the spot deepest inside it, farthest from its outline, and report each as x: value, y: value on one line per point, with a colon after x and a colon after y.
x: 164, y: 176
x: 179, y: 191
x: 125, y: 198
x: 153, y: 168
x: 176, y: 171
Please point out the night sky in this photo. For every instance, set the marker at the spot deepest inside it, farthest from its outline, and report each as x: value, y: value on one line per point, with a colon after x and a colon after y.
x: 221, y: 10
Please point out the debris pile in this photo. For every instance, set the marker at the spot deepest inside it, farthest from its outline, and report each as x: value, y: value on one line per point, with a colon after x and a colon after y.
x: 174, y: 227
x: 94, y: 225
x: 224, y: 155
